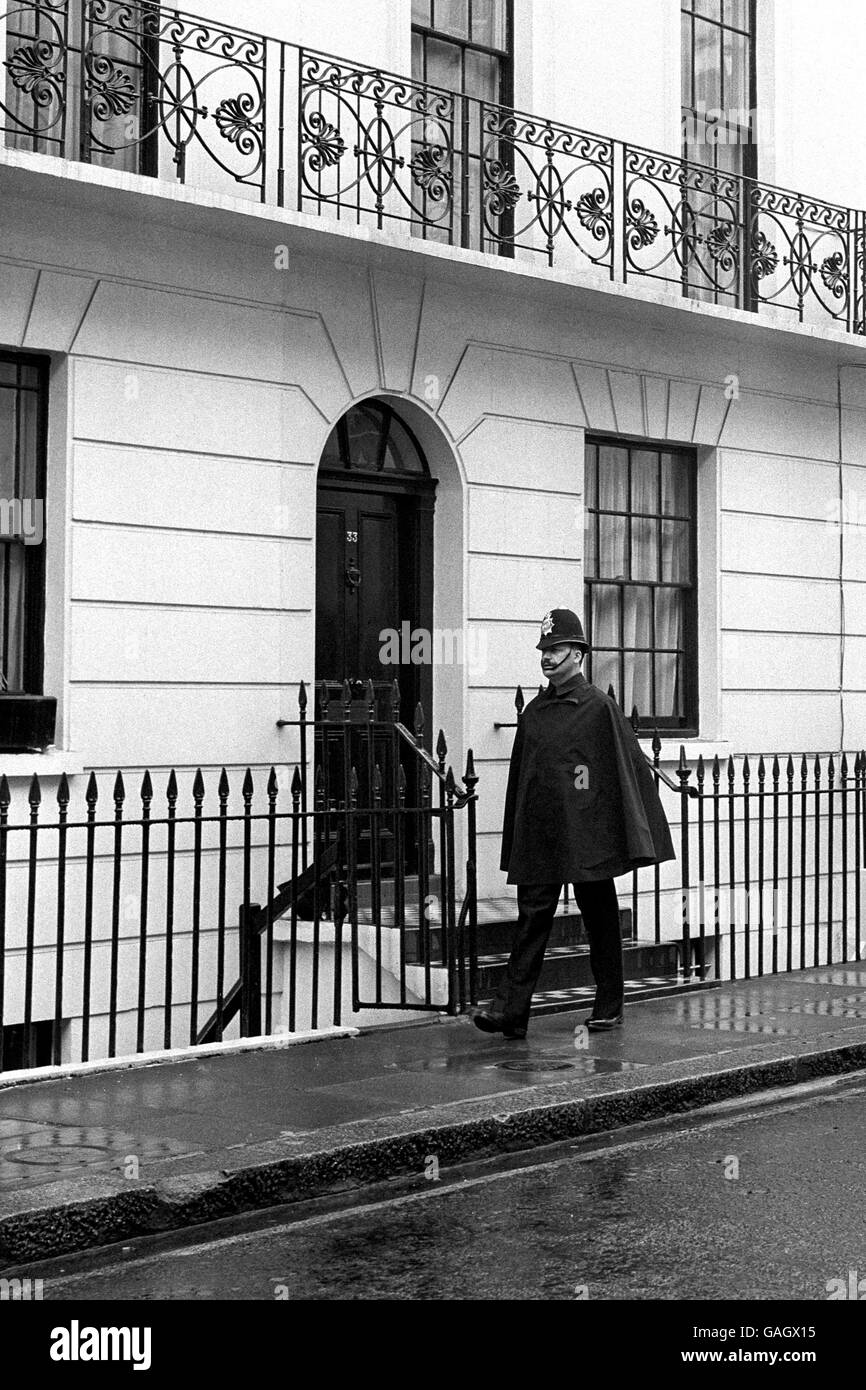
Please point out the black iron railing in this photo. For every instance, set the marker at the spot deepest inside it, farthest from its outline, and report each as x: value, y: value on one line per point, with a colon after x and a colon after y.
x: 140, y: 87
x: 770, y: 861
x: 159, y: 926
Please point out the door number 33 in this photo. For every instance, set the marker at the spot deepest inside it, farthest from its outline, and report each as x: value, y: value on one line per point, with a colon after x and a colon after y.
x: 352, y: 536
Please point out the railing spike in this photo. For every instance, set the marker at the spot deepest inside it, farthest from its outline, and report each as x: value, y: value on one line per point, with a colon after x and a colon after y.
x: 747, y: 771
x: 804, y: 768
x: 635, y: 719
x: 146, y: 787
x: 247, y: 788
x: 223, y: 787
x: 441, y: 746
x: 5, y: 798
x: 717, y: 770
x: 776, y: 768
x: 63, y: 791
x: 377, y: 780
x: 395, y: 700
x: 34, y: 796
x: 817, y: 768
x: 470, y: 777
x: 401, y: 780
x: 273, y: 783
x: 322, y: 701
x: 418, y: 723
x: 119, y: 793
x: 302, y: 696
x: 843, y: 767
x: 731, y: 770
x: 198, y: 785
x: 450, y: 784
x: 171, y: 789
x: 656, y: 743
x: 762, y: 771
x: 371, y: 700
x: 519, y: 701
x: 789, y: 770
x: 91, y: 796
x: 831, y: 769
x: 700, y: 770
x: 346, y: 699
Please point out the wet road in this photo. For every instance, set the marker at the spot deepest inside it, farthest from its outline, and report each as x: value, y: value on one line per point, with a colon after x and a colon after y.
x: 759, y: 1199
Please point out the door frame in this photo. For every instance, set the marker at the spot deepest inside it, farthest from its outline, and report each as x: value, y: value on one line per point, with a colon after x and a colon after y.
x: 421, y: 491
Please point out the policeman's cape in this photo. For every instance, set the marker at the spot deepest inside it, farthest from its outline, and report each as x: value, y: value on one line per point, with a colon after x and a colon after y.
x: 581, y: 802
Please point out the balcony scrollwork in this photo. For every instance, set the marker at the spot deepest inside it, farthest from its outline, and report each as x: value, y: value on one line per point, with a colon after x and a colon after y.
x: 134, y: 86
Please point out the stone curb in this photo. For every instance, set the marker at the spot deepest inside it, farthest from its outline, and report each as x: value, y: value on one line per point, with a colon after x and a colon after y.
x: 450, y: 1132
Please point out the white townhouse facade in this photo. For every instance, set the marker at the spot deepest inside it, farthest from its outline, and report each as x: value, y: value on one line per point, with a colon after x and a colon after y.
x: 325, y: 321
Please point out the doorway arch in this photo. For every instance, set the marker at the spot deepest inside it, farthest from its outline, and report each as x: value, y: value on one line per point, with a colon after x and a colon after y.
x: 375, y: 502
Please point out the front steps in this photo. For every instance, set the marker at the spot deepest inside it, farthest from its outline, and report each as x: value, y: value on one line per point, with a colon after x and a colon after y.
x: 652, y: 970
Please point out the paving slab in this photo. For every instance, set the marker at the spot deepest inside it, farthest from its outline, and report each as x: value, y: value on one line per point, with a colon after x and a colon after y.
x: 102, y: 1156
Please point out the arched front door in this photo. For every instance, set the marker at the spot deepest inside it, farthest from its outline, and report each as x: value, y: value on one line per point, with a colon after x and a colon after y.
x: 374, y: 559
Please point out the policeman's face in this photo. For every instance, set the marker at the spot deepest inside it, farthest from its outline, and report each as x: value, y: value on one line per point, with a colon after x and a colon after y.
x: 561, y: 662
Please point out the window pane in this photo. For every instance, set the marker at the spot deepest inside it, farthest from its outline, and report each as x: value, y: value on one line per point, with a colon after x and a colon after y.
x: 443, y: 65
x: 736, y: 58
x: 488, y: 22
x: 675, y: 485
x: 417, y: 57
x: 712, y: 9
x: 638, y: 684
x: 591, y: 474
x: 590, y: 558
x: 737, y: 13
x: 605, y: 615
x: 482, y: 77
x: 637, y: 613
x: 686, y: 53
x: 452, y: 17
x: 364, y: 429
x: 605, y: 670
x: 675, y: 566
x: 12, y: 615
x: 707, y: 64
x: 28, y: 456
x: 7, y: 443
x: 612, y: 478
x: 644, y: 481
x: 669, y: 701
x: 401, y: 452
x: 644, y: 550
x: 421, y: 12
x: 669, y: 618
x: 612, y: 540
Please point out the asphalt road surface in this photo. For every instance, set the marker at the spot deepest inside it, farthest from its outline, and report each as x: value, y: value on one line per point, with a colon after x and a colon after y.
x: 751, y: 1200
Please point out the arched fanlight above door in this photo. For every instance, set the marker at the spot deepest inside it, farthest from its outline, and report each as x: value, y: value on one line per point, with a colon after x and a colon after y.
x: 370, y: 438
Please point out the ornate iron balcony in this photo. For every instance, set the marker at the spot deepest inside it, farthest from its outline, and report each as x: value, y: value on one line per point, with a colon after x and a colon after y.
x: 135, y: 86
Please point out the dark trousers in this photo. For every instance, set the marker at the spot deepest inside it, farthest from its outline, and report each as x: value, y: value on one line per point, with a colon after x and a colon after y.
x: 536, y: 903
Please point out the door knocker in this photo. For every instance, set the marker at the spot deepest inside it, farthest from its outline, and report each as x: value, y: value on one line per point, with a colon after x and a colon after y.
x: 353, y: 575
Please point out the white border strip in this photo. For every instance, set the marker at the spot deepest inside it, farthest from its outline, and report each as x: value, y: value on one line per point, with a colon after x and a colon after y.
x: 266, y: 1042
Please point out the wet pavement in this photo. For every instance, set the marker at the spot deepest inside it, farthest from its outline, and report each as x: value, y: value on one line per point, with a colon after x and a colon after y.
x: 152, y: 1147
x: 754, y: 1200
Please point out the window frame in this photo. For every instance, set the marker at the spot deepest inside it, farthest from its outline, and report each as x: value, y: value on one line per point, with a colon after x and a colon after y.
x: 33, y: 639
x: 687, y: 725
x: 504, y: 55
x: 688, y: 11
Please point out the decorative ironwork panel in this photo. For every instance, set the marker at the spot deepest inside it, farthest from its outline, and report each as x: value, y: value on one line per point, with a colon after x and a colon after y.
x: 545, y: 187
x: 156, y: 81
x: 373, y: 146
x: 683, y: 223
x: 803, y: 255
x: 33, y: 99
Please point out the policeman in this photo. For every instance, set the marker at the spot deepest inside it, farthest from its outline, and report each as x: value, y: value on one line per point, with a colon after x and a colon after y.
x: 581, y: 807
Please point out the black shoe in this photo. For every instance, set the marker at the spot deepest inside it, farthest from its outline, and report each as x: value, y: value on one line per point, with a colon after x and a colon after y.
x: 495, y: 1023
x: 604, y: 1025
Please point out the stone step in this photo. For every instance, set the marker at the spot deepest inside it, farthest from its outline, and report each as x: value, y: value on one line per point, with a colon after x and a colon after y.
x: 567, y: 967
